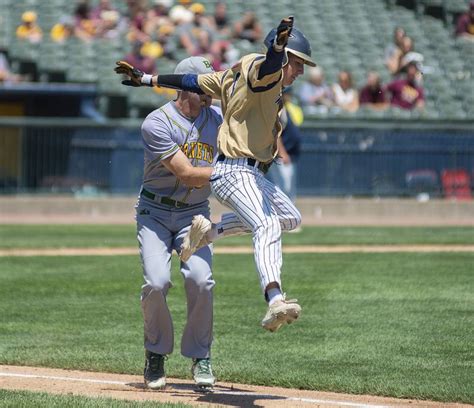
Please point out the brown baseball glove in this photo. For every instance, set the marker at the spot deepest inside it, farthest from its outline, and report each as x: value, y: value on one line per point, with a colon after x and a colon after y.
x: 124, y: 68
x: 284, y: 31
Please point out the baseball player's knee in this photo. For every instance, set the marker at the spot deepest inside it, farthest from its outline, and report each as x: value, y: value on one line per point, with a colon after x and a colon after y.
x: 295, y: 220
x: 291, y: 220
x: 269, y: 226
x: 159, y: 283
x: 199, y: 283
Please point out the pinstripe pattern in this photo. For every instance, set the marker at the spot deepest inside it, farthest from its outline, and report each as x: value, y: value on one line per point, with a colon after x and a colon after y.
x: 259, y: 207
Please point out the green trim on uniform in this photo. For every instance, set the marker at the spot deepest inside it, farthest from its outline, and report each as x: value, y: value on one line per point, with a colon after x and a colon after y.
x: 157, y: 159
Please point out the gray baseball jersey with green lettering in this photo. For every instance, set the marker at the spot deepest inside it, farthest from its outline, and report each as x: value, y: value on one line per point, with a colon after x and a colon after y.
x: 164, y: 131
x: 161, y: 229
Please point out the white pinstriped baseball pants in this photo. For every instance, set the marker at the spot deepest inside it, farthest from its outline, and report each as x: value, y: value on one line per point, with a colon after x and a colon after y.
x: 261, y: 207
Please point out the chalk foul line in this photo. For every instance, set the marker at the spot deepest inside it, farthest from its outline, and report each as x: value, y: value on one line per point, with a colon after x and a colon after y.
x: 226, y: 392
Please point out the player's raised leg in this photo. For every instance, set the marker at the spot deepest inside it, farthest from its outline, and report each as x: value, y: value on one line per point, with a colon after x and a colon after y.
x: 202, y: 232
x: 245, y: 195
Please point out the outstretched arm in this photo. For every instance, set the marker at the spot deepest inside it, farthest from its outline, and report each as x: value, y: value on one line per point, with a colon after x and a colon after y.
x: 186, y: 82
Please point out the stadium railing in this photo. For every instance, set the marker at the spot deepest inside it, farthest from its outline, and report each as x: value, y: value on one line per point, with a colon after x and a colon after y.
x: 344, y: 157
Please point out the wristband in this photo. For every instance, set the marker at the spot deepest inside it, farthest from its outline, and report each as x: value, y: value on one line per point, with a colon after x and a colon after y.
x: 147, y: 80
x: 277, y: 47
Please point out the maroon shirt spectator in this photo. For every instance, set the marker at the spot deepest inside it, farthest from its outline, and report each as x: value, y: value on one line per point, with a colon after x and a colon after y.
x: 220, y: 19
x: 135, y: 58
x: 465, y: 23
x: 248, y: 28
x: 373, y: 93
x: 104, y: 5
x: 405, y: 92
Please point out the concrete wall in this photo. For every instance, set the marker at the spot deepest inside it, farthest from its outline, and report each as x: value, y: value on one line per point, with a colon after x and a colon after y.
x: 315, y: 211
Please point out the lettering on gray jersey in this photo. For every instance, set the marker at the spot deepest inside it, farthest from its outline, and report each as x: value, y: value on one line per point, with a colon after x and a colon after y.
x: 164, y: 131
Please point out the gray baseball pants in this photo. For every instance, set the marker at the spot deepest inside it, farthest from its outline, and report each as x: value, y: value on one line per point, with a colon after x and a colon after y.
x: 160, y: 230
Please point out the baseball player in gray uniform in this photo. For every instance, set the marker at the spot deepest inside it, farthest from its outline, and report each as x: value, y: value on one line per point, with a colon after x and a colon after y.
x: 179, y: 135
x: 251, y: 98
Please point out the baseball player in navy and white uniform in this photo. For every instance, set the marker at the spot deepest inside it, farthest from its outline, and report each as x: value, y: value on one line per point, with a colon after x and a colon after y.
x: 251, y: 98
x: 179, y: 135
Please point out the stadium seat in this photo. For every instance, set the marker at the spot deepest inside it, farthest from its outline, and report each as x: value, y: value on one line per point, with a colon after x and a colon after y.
x: 456, y: 184
x: 356, y: 43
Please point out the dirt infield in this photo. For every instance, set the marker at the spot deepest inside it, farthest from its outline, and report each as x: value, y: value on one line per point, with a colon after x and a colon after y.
x: 129, y: 387
x: 293, y: 249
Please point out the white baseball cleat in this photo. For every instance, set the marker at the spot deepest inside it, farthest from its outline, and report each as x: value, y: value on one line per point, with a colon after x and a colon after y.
x: 202, y: 374
x: 196, y: 237
x: 281, y: 312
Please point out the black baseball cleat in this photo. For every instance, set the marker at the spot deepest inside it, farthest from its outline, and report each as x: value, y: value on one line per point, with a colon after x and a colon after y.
x: 202, y: 374
x: 154, y: 373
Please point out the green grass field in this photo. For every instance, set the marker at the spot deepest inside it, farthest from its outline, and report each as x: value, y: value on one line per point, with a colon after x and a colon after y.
x: 53, y: 236
x: 392, y: 324
x: 25, y: 399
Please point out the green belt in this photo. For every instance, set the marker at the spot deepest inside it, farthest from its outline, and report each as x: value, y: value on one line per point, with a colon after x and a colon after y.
x: 163, y: 200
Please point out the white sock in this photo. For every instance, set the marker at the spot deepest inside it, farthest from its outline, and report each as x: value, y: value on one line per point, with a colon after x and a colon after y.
x: 274, y: 295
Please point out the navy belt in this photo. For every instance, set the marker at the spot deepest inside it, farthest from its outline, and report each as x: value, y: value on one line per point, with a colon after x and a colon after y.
x: 163, y: 200
x: 263, y: 167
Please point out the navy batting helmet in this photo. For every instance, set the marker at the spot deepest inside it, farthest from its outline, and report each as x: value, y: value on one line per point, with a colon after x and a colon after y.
x: 298, y: 45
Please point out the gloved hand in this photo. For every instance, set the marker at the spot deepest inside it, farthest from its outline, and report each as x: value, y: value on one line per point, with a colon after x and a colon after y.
x: 137, y: 77
x: 283, y: 32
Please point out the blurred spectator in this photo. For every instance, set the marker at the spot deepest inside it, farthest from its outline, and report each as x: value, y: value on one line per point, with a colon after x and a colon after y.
x: 393, y: 48
x: 407, y: 93
x: 108, y: 20
x: 465, y: 24
x: 6, y: 76
x: 203, y: 45
x: 110, y: 25
x: 248, y: 28
x: 29, y: 29
x: 417, y: 58
x: 63, y: 30
x: 373, y: 94
x: 200, y: 10
x: 293, y: 109
x: 314, y: 93
x: 166, y: 41
x: 196, y: 37
x: 104, y: 5
x: 84, y: 26
x: 220, y: 20
x: 180, y: 13
x: 284, y: 173
x: 136, y: 8
x: 224, y: 55
x: 158, y: 16
x: 138, y: 60
x: 345, y: 96
x: 151, y: 49
x: 396, y: 64
x: 136, y: 14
